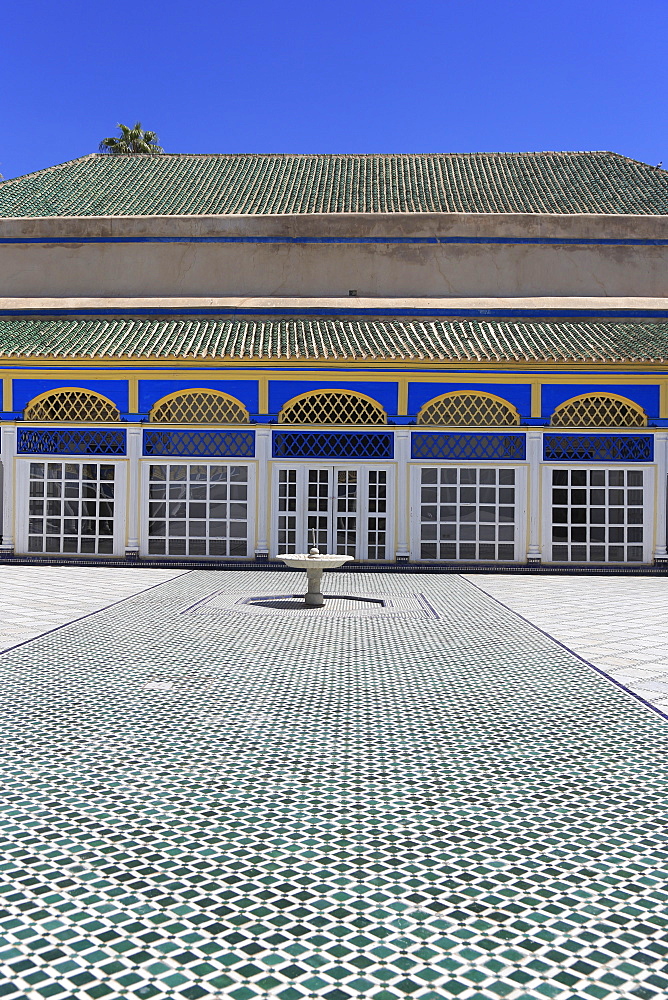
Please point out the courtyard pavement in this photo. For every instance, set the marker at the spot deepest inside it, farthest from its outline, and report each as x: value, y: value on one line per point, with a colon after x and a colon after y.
x: 209, y: 792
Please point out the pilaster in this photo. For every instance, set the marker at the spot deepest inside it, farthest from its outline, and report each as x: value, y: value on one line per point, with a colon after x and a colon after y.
x: 134, y: 437
x: 8, y: 490
x: 534, y: 456
x: 263, y: 455
x: 660, y: 497
x: 402, y: 452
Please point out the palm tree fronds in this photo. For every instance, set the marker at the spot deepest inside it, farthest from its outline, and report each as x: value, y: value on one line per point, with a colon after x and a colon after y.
x: 132, y: 140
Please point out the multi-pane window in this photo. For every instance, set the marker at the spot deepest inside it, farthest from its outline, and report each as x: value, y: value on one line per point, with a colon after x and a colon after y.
x: 198, y: 510
x: 287, y: 510
x: 71, y: 507
x: 346, y: 512
x: 467, y: 513
x: 377, y: 517
x: 597, y: 515
x: 317, y: 520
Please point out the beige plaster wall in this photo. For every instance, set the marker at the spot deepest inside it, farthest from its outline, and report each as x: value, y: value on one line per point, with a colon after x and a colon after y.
x: 379, y: 269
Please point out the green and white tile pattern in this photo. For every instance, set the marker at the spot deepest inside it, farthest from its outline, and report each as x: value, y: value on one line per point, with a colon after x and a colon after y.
x: 357, y: 806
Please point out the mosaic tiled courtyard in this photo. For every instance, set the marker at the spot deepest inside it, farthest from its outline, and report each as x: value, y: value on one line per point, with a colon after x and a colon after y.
x: 428, y: 797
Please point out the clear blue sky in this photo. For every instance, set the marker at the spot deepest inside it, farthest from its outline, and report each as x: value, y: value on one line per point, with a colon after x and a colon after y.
x: 307, y: 76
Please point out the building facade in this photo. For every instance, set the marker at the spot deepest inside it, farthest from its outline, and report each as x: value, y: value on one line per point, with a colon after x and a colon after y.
x: 436, y: 359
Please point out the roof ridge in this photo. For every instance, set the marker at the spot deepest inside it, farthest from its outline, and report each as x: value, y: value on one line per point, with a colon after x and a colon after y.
x: 468, y: 155
x: 47, y: 170
x: 560, y: 182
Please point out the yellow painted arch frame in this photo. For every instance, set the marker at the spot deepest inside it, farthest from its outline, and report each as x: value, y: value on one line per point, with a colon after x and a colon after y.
x: 582, y: 397
x: 291, y: 403
x: 194, y: 391
x: 61, y: 391
x: 471, y: 392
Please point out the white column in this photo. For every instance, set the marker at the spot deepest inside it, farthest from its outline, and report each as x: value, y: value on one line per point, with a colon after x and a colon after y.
x: 402, y: 452
x: 133, y: 507
x: 262, y: 454
x: 660, y: 496
x: 8, y: 453
x: 534, y: 448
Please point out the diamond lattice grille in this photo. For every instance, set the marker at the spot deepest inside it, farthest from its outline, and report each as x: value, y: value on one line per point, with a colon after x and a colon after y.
x: 598, y: 411
x: 333, y: 408
x: 72, y: 405
x: 469, y: 409
x: 199, y: 408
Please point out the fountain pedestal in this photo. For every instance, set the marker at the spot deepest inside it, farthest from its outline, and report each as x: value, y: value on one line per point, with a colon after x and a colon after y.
x: 315, y: 565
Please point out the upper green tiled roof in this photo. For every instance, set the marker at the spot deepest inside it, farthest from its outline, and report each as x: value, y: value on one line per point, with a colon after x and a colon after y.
x: 315, y: 339
x: 270, y: 184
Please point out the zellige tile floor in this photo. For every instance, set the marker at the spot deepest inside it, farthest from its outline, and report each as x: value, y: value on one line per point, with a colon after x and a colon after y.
x: 620, y: 624
x: 203, y: 797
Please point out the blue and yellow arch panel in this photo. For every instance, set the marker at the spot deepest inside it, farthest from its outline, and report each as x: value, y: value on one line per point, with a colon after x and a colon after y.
x: 646, y: 396
x: 23, y: 390
x: 384, y: 393
x: 151, y: 390
x: 518, y: 396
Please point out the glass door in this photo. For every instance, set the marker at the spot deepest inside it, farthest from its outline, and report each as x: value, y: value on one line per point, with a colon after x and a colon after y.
x: 341, y: 509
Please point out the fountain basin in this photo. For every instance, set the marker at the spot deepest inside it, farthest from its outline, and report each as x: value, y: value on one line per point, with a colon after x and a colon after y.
x: 315, y: 565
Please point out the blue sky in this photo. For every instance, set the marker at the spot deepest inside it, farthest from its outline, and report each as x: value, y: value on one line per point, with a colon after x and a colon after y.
x: 350, y: 76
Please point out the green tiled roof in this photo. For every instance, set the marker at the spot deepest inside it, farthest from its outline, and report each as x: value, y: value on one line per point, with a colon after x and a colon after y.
x: 318, y: 339
x: 270, y: 184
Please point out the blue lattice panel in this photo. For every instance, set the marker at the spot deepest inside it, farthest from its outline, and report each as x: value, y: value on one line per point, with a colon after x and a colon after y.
x: 598, y: 448
x: 200, y: 444
x: 443, y: 446
x: 70, y: 441
x: 333, y: 444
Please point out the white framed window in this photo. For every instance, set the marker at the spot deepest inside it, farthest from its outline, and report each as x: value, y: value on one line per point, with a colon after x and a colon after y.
x: 198, y: 509
x: 344, y: 509
x: 594, y: 514
x: 468, y: 513
x: 71, y: 507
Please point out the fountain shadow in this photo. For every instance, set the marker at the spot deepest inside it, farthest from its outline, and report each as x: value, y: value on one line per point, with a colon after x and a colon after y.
x: 295, y: 602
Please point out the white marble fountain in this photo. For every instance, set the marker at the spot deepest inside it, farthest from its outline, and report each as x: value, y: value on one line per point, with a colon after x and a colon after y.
x: 315, y: 565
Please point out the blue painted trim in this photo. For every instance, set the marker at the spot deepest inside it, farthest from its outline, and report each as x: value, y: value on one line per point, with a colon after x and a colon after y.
x: 325, y: 311
x: 198, y: 444
x: 333, y: 445
x: 598, y: 447
x: 98, y: 442
x: 402, y: 240
x: 435, y: 446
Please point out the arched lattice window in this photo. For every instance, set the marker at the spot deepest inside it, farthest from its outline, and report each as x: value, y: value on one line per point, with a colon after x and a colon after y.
x: 474, y: 409
x: 72, y: 405
x: 601, y: 409
x: 199, y: 406
x: 327, y: 407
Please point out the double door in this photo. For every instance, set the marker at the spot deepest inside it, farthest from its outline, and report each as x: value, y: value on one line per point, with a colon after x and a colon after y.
x: 343, y: 510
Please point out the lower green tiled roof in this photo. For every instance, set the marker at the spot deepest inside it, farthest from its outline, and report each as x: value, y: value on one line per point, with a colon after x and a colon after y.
x: 274, y: 184
x: 316, y: 339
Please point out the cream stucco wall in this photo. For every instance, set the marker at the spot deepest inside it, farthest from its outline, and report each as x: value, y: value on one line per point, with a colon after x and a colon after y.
x: 116, y: 266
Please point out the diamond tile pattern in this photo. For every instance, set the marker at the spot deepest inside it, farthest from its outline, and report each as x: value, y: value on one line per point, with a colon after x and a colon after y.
x: 332, y: 408
x: 505, y: 447
x: 595, y: 410
x: 71, y: 404
x: 455, y: 807
x: 332, y: 444
x: 69, y: 441
x: 202, y: 407
x: 468, y: 408
x: 195, y: 444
